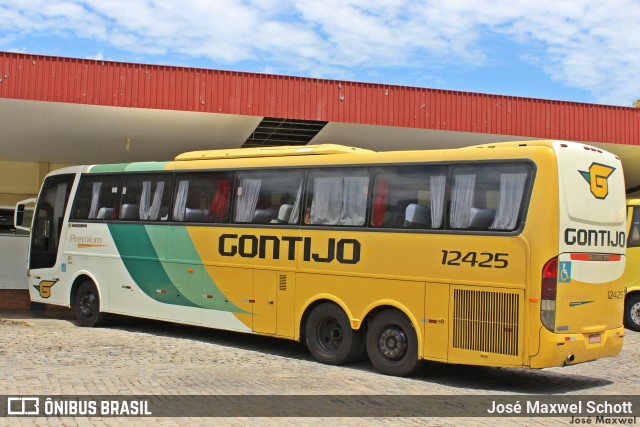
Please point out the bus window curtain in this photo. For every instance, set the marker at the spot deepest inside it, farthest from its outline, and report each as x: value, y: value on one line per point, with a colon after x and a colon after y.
x: 218, y: 208
x: 326, y: 206
x: 145, y: 200
x: 437, y: 185
x: 181, y: 201
x: 248, y: 194
x: 380, y: 201
x: 154, y: 210
x: 462, y: 198
x: 95, y: 199
x: 295, y: 211
x: 511, y: 192
x: 354, y: 200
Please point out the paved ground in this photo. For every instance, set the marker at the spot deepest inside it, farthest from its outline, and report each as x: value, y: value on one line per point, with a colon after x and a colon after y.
x: 50, y: 355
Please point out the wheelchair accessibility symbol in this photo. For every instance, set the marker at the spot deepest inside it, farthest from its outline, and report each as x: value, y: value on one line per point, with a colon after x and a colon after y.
x: 565, y: 272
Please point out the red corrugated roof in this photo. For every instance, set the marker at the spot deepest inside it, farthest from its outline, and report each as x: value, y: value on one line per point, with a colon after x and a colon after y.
x: 82, y: 81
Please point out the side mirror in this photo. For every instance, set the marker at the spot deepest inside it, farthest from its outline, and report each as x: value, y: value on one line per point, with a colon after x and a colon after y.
x: 18, y: 214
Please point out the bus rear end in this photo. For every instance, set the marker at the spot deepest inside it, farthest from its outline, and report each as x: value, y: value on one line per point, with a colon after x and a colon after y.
x: 582, y: 294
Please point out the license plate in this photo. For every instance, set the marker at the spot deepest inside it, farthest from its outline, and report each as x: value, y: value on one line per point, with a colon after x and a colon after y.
x: 595, y: 338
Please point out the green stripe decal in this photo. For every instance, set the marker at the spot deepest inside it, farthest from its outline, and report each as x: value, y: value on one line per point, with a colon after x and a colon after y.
x: 108, y: 168
x: 577, y: 303
x: 128, y: 167
x: 143, y: 249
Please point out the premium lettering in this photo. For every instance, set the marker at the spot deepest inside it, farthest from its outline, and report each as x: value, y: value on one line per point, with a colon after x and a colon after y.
x: 85, y: 240
x: 345, y: 251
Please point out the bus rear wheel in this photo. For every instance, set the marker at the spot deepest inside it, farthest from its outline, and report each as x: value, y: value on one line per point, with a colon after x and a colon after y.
x: 87, y: 305
x: 330, y: 338
x: 632, y: 312
x: 392, y: 344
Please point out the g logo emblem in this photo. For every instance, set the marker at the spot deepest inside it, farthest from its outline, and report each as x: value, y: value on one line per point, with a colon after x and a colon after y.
x: 44, y: 288
x: 597, y: 178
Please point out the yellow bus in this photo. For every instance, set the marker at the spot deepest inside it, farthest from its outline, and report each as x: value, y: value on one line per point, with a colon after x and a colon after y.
x: 632, y: 271
x: 500, y: 255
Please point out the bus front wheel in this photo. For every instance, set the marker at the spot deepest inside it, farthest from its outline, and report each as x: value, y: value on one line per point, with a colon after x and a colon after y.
x: 329, y: 336
x: 87, y: 305
x: 632, y: 312
x: 392, y: 344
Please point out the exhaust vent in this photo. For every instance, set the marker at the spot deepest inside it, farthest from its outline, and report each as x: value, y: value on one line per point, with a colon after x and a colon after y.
x: 283, y: 283
x: 486, y: 321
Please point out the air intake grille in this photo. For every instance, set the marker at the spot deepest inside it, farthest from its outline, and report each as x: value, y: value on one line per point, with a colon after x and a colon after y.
x: 486, y: 321
x: 283, y: 282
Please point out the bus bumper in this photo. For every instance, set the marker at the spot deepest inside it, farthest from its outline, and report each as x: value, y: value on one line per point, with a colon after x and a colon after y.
x: 570, y: 349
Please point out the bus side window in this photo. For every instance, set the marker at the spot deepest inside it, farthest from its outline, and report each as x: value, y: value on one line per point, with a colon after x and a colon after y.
x: 268, y: 197
x: 409, y: 197
x: 145, y: 197
x: 202, y: 197
x: 487, y: 197
x: 97, y: 197
x: 338, y: 196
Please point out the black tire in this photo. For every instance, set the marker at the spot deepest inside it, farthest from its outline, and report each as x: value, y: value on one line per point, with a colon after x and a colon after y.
x: 632, y: 312
x: 87, y: 305
x: 392, y: 344
x: 329, y: 336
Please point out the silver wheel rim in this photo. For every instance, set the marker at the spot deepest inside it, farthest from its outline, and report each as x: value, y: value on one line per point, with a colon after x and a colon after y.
x: 635, y: 313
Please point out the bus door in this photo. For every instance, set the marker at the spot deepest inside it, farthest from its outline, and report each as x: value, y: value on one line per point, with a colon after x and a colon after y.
x: 273, y: 299
x: 48, y: 219
x: 47, y: 225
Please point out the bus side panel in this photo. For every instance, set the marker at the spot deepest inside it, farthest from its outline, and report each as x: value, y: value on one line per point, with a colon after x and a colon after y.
x: 436, y: 329
x: 541, y: 234
x: 125, y: 296
x: 89, y: 249
x: 226, y: 294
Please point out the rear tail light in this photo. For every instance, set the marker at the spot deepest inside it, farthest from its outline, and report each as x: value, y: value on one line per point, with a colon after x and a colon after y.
x: 548, y: 294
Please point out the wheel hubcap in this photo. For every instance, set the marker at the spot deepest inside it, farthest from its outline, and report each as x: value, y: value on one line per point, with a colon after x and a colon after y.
x: 330, y: 334
x: 635, y: 313
x: 393, y: 343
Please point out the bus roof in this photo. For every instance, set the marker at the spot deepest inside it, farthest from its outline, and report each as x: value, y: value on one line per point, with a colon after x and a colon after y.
x: 237, y: 153
x: 311, y: 155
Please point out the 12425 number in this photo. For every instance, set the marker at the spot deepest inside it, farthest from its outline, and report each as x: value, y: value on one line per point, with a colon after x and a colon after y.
x: 474, y: 259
